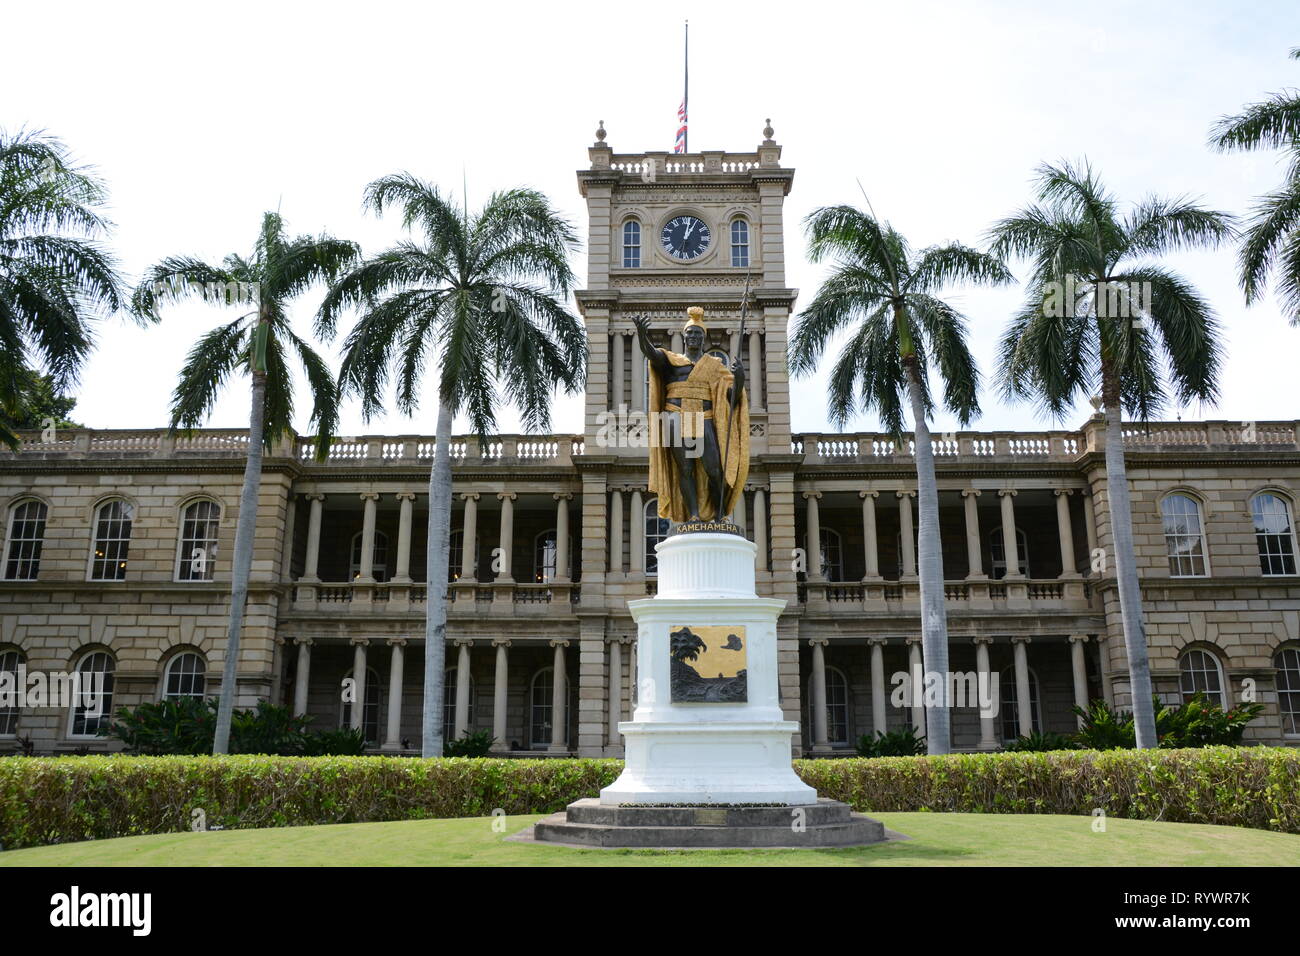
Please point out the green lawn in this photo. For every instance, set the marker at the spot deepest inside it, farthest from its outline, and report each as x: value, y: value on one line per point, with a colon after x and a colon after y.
x: 942, y: 839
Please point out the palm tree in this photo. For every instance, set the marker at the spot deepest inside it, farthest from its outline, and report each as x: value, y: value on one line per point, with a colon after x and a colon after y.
x: 481, y: 298
x: 258, y: 343
x: 1272, y: 236
x: 1100, y: 315
x: 900, y: 329
x: 55, y: 276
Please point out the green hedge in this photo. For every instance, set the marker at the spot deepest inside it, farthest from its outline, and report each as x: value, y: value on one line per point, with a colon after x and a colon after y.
x: 65, y: 799
x: 1255, y: 787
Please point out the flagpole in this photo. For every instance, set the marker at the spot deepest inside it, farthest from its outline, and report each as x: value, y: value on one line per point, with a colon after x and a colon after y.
x: 686, y: 88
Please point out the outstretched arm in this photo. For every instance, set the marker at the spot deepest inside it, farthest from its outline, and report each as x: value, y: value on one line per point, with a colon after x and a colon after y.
x: 648, y: 348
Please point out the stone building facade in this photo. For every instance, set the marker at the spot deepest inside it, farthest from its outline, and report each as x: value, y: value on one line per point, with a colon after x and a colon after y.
x: 117, y: 543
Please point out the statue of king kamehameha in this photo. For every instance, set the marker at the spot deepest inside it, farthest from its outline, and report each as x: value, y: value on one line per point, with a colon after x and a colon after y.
x: 699, y: 426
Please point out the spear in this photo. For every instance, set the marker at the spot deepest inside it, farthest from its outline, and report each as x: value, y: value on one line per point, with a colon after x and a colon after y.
x: 740, y: 344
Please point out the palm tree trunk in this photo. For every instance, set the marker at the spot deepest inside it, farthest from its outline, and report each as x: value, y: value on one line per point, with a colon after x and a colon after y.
x: 934, y: 613
x: 435, y: 621
x: 243, y: 562
x: 1130, y: 593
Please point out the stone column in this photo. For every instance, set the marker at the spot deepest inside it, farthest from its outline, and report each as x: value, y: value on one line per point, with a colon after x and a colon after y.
x: 974, y: 552
x: 1066, y: 533
x: 616, y: 531
x: 988, y: 731
x: 302, y: 679
x: 286, y: 553
x: 818, y: 703
x: 562, y: 535
x: 760, y: 528
x: 1010, y: 546
x: 754, y: 371
x: 559, y: 719
x: 366, y: 570
x: 462, y: 689
x: 615, y: 692
x: 507, y: 543
x: 733, y: 342
x: 1080, y: 668
x: 406, y: 505
x: 501, y: 697
x: 1090, y: 523
x: 393, y: 737
x: 906, y: 533
x: 870, y: 546
x: 636, y: 522
x: 469, y: 537
x: 677, y: 342
x: 616, y: 380
x: 879, y: 723
x: 738, y: 513
x: 638, y: 377
x: 313, y: 538
x: 359, y: 645
x: 1024, y: 705
x: 813, y: 540
x: 916, y: 678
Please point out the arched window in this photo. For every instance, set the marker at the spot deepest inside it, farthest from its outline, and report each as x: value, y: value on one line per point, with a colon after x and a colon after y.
x: 24, y: 540
x: 1274, y: 533
x: 721, y: 356
x: 1184, y: 536
x: 998, y: 555
x: 93, y: 706
x: 832, y: 555
x: 838, y: 732
x: 196, y: 555
x: 112, y: 540
x: 546, y: 555
x: 631, y: 244
x: 1287, y: 662
x: 456, y: 555
x: 369, y: 708
x: 739, y: 244
x: 449, y: 704
x: 10, y: 661
x: 539, y: 709
x: 379, y: 566
x: 656, y: 529
x: 186, y: 676
x: 1199, y: 670
x: 1010, y: 704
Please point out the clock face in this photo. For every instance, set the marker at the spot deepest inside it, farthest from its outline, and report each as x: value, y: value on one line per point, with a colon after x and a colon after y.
x: 685, y: 238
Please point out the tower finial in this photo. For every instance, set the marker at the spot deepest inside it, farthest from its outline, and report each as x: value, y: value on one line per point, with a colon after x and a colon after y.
x: 767, y: 133
x: 600, y: 132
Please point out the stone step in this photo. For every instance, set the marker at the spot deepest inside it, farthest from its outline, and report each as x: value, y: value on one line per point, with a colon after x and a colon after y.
x: 859, y: 831
x: 821, y: 813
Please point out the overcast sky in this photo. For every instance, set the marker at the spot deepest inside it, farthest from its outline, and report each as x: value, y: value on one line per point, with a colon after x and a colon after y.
x: 200, y: 117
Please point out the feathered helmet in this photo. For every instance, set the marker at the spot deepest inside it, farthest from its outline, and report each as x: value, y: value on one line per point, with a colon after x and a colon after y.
x: 695, y: 316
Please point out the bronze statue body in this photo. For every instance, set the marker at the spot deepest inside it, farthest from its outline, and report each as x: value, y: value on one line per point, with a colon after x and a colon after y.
x: 699, y: 447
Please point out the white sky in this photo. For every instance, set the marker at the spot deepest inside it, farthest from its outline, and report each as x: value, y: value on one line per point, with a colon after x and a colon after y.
x: 201, y: 117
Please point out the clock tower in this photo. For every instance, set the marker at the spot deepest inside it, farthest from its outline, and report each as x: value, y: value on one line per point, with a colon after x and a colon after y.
x: 667, y: 231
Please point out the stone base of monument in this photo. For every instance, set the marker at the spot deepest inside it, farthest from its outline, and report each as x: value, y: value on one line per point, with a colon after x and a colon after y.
x: 708, y: 757
x: 826, y: 823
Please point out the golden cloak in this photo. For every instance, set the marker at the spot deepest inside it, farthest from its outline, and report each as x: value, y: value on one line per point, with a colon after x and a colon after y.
x: 709, y: 377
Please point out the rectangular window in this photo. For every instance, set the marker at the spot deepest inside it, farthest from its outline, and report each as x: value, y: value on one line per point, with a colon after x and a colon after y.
x: 26, y: 535
x: 112, y: 541
x: 200, y: 526
x: 1184, y: 537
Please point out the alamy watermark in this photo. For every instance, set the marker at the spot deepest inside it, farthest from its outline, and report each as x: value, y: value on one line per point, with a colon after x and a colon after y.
x: 1111, y: 300
x: 920, y: 688
x: 23, y: 689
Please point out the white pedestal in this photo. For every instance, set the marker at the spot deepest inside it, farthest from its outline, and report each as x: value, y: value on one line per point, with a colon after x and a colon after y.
x: 714, y: 752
